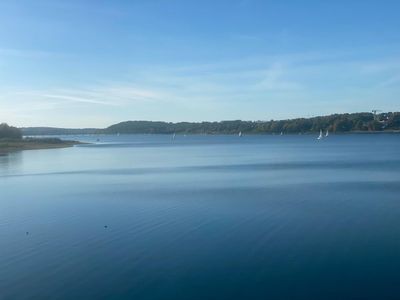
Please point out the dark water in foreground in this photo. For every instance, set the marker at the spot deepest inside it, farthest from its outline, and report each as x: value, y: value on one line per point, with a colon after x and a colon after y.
x: 203, y: 217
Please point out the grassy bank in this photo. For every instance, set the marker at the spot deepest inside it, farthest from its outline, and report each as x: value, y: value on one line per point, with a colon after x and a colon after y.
x: 9, y: 145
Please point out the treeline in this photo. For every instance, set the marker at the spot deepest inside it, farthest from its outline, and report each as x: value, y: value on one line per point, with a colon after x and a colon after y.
x: 334, y: 123
x: 9, y: 132
x: 357, y: 122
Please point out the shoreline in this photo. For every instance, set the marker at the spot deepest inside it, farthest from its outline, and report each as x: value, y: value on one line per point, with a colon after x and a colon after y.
x: 7, y: 146
x: 215, y: 133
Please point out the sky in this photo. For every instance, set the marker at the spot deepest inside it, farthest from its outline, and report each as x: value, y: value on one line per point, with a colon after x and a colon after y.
x: 83, y: 63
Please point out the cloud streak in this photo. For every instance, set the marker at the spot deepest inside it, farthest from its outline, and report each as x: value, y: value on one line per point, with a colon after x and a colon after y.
x: 75, y: 99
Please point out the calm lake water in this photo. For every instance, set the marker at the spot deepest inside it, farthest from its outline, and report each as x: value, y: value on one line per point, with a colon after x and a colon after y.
x: 203, y: 217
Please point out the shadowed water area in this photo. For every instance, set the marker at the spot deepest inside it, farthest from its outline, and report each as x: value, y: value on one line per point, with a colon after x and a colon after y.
x: 202, y: 217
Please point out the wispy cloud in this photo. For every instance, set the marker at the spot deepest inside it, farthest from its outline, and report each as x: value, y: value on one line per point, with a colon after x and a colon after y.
x: 75, y: 99
x: 274, y: 80
x: 389, y: 82
x: 104, y: 95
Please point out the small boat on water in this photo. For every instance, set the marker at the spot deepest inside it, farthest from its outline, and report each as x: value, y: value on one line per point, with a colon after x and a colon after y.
x: 281, y: 132
x: 240, y: 133
x: 320, y: 135
x: 173, y: 136
x: 327, y: 133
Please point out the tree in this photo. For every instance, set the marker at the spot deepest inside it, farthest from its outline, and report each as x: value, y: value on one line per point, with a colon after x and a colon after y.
x: 342, y: 124
x: 9, y: 132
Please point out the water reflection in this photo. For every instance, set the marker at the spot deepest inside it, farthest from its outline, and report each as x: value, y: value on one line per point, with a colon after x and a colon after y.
x: 11, y: 163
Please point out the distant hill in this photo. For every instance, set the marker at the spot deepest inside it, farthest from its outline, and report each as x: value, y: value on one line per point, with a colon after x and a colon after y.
x: 356, y: 122
x: 334, y: 123
x: 57, y: 131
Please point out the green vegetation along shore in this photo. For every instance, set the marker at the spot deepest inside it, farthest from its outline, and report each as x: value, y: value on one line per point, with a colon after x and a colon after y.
x: 11, y: 140
x: 339, y: 123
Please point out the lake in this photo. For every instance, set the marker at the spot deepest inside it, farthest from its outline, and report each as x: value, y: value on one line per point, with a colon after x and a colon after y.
x: 203, y: 217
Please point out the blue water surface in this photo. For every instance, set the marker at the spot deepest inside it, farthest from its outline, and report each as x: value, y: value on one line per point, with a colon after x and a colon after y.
x: 202, y: 217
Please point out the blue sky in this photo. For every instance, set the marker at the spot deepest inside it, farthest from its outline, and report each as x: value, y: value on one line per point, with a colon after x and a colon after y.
x: 94, y: 63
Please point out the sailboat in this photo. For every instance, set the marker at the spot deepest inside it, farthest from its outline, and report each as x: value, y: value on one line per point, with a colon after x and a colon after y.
x: 327, y: 133
x: 320, y: 135
x: 240, y: 133
x: 281, y: 132
x: 173, y: 136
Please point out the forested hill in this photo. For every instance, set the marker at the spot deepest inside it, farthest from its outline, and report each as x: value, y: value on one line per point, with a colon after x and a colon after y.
x: 334, y: 123
x: 357, y: 122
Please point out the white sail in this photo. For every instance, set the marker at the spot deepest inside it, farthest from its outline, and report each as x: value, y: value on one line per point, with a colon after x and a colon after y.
x: 327, y: 133
x: 240, y: 133
x: 320, y: 135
